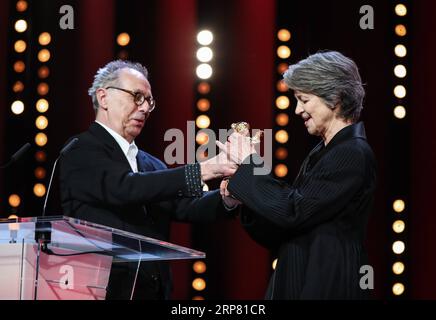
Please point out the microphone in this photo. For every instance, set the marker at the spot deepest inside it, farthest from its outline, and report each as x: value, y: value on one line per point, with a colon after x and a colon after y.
x: 17, y: 155
x: 63, y: 151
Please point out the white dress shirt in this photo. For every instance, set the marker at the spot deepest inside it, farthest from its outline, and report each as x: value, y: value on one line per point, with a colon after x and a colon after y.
x: 129, y: 150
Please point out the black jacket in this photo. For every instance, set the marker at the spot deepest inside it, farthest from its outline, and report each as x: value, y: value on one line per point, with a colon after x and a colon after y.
x: 317, y: 225
x: 97, y: 184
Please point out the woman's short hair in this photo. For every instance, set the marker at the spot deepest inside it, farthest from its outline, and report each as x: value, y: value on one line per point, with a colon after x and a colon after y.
x: 331, y: 76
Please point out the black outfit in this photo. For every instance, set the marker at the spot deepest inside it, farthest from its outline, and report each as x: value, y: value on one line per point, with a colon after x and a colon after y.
x: 317, y: 225
x: 98, y: 185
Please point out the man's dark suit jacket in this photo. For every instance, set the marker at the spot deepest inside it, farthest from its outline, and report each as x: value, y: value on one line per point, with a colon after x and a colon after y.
x: 97, y: 184
x: 317, y: 225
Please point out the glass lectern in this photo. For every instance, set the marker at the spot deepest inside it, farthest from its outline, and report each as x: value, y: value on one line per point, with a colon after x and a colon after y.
x: 58, y: 258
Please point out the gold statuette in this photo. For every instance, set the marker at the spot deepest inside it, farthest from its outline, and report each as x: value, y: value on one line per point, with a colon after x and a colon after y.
x: 244, y: 129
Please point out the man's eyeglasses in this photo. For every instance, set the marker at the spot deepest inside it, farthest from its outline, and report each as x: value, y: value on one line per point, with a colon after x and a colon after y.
x: 139, y: 98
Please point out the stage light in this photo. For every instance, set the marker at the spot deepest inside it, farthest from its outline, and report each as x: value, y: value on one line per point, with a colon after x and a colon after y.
x: 282, y: 119
x: 40, y: 156
x: 400, y: 71
x: 281, y: 170
x: 400, y: 91
x: 19, y: 66
x: 204, y: 54
x: 123, y: 39
x: 400, y: 10
x: 21, y: 6
x: 398, y: 247
x: 44, y: 38
x: 281, y: 86
x: 398, y: 226
x: 20, y: 46
x: 199, y: 284
x: 274, y: 264
x: 42, y: 105
x: 41, y: 122
x: 18, y: 87
x: 398, y: 268
x: 398, y: 289
x: 17, y: 107
x: 400, y: 50
x: 281, y: 153
x: 400, y: 30
x: 282, y: 136
x: 43, y: 89
x: 123, y: 55
x: 282, y: 67
x: 39, y: 190
x: 400, y: 112
x: 284, y: 35
x: 282, y: 102
x: 41, y: 139
x: 204, y: 71
x: 283, y: 52
x: 43, y: 72
x: 399, y: 205
x: 40, y: 173
x: 20, y: 26
x: 44, y: 55
x: 203, y: 87
x: 199, y: 267
x: 205, y: 37
x: 198, y: 298
x: 13, y: 216
x: 203, y: 122
x: 203, y: 105
x: 14, y: 200
x: 202, y: 138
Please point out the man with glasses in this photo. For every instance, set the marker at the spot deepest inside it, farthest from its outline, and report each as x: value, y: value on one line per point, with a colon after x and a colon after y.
x: 105, y: 179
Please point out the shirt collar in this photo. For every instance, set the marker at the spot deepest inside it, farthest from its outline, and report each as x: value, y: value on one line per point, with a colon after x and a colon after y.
x: 123, y: 143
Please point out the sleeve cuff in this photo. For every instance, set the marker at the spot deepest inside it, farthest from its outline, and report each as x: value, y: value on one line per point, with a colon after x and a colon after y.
x: 193, y: 180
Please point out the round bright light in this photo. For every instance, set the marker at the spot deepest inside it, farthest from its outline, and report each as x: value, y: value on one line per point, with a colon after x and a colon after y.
x: 204, y: 71
x: 42, y: 105
x: 203, y: 122
x: 400, y: 50
x: 44, y: 55
x: 123, y: 39
x: 40, y: 156
x: 20, y: 46
x: 282, y: 136
x: 283, y: 52
x: 197, y: 298
x: 282, y: 67
x: 282, y: 102
x: 202, y: 138
x: 400, y: 112
x: 43, y: 72
x: 199, y: 267
x: 281, y: 86
x: 21, y: 25
x: 401, y: 10
x: 40, y: 173
x: 398, y: 226
x: 284, y: 35
x: 21, y: 6
x: 19, y: 66
x: 204, y: 54
x: 17, y: 107
x: 281, y: 170
x: 205, y: 37
x: 400, y: 71
x: 44, y: 38
x: 203, y: 88
x: 203, y: 105
x: 398, y: 268
x: 14, y: 200
x: 400, y: 30
x: 282, y: 119
x: 39, y: 190
x: 399, y: 205
x: 281, y: 153
x: 398, y: 247
x: 43, y: 89
x: 199, y: 284
x: 18, y: 87
x: 398, y: 289
x: 41, y: 139
x: 41, y: 122
x: 400, y: 91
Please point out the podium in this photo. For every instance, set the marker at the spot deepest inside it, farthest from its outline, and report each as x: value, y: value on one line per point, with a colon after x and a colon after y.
x: 63, y: 258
